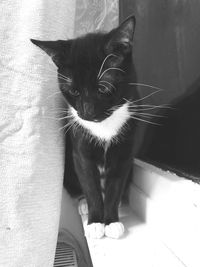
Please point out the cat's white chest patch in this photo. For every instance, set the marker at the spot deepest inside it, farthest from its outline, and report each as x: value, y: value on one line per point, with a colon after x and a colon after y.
x: 108, y: 128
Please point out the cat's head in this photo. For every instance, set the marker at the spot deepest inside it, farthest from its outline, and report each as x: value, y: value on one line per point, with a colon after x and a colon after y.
x: 93, y: 70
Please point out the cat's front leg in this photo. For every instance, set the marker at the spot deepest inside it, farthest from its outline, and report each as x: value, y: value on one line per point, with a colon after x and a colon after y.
x: 115, y: 184
x: 89, y: 179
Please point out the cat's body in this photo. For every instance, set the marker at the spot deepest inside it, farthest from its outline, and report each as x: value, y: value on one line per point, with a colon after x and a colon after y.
x: 94, y: 72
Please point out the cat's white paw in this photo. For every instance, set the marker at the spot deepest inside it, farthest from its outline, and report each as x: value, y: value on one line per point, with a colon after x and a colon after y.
x: 114, y: 230
x: 94, y: 230
x: 83, y: 207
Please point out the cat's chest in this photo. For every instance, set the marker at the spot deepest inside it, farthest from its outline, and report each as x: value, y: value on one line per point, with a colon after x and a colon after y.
x: 107, y: 129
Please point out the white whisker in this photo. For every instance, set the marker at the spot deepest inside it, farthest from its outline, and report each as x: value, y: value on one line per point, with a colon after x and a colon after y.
x: 52, y: 118
x: 71, y: 126
x: 76, y: 126
x: 53, y: 94
x: 66, y: 117
x: 110, y: 69
x: 58, y: 119
x: 143, y: 108
x: 102, y: 65
x: 68, y: 126
x: 57, y: 110
x: 147, y: 96
x: 147, y: 114
x: 56, y: 72
x: 139, y: 119
x: 65, y: 79
x: 146, y: 85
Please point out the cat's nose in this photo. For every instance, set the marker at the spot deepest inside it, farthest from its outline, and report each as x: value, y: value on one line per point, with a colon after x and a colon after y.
x: 89, y: 111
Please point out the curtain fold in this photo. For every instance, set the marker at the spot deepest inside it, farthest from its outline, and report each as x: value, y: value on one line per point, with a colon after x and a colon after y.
x: 31, y: 149
x: 95, y: 15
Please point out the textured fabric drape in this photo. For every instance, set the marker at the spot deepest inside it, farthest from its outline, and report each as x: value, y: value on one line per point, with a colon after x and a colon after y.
x: 31, y: 146
x: 31, y: 150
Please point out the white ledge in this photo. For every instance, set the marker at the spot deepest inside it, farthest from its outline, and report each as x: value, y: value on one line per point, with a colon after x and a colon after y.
x: 170, y: 206
x: 166, y: 230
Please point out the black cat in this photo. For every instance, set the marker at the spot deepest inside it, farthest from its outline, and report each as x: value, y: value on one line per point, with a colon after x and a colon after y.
x: 94, y: 74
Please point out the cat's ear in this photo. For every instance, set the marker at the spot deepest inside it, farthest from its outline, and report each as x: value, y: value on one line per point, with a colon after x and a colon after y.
x: 57, y: 50
x: 120, y: 40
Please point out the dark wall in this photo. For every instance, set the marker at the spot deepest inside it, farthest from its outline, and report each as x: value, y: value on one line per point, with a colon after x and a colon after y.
x: 167, y: 44
x: 167, y: 55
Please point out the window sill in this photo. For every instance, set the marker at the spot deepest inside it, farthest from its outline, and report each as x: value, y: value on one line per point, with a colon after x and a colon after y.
x: 170, y: 206
x: 162, y: 222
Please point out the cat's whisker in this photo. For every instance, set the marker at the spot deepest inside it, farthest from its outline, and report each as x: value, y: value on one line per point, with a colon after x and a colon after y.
x: 65, y: 117
x: 141, y: 108
x: 53, y: 94
x: 65, y: 79
x: 57, y: 73
x: 48, y: 117
x: 59, y: 113
x: 108, y: 70
x: 58, y: 109
x: 146, y: 85
x: 143, y: 120
x: 148, y: 114
x: 69, y: 124
x: 149, y: 105
x: 103, y: 63
x: 69, y: 116
x: 108, y: 83
x: 75, y: 127
x: 147, y: 96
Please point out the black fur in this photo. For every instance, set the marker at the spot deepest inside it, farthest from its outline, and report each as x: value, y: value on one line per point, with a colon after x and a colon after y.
x: 81, y: 59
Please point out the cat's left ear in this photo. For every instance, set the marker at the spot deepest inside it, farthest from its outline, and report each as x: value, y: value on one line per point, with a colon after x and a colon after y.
x: 120, y: 40
x: 57, y: 50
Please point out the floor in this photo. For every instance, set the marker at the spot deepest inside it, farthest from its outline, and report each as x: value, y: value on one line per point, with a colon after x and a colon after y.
x: 137, y: 248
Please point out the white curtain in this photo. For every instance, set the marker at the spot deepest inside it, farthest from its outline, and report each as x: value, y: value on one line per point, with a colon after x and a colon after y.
x: 31, y: 146
x: 31, y: 161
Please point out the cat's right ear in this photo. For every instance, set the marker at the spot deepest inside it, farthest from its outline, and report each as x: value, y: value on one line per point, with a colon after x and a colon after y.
x: 120, y: 40
x: 57, y: 50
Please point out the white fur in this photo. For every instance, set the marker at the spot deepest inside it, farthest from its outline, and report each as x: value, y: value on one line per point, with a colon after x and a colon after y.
x: 108, y: 128
x: 83, y: 207
x: 94, y: 230
x: 114, y: 230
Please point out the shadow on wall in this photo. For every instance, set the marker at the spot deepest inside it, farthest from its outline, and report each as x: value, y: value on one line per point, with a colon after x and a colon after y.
x: 175, y: 144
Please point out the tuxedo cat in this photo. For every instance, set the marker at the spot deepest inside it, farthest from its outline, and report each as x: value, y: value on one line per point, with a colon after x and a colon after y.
x: 95, y: 72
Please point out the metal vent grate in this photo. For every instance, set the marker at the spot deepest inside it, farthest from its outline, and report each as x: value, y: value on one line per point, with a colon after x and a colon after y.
x: 65, y: 256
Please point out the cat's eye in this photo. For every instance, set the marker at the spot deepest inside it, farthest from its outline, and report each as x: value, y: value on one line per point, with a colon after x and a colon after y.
x: 74, y: 92
x: 105, y: 89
